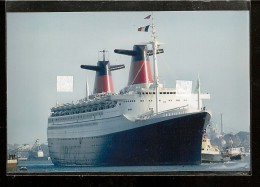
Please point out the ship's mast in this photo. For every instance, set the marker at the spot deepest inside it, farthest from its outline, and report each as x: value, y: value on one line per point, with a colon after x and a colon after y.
x: 155, y: 67
x: 103, y: 54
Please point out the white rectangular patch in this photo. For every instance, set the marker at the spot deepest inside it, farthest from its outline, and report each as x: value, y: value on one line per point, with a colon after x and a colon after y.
x: 183, y: 87
x: 64, y: 83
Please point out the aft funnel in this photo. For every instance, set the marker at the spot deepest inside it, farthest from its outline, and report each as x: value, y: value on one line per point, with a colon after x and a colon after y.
x: 103, y: 79
x: 140, y: 70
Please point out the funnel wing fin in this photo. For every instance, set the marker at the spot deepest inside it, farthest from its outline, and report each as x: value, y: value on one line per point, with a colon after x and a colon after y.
x: 125, y: 52
x: 93, y: 68
x: 116, y: 67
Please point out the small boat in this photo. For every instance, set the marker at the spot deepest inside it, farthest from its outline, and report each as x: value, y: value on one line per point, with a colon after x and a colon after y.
x: 233, y: 153
x: 23, y: 168
x: 209, y: 152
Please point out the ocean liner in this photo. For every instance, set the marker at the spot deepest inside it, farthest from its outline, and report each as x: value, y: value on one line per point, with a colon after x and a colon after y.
x: 145, y: 123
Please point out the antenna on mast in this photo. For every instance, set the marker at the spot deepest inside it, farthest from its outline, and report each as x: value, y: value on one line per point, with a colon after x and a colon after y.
x: 104, y: 53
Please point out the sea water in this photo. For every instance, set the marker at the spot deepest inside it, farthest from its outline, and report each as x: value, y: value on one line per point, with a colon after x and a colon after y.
x: 47, y: 167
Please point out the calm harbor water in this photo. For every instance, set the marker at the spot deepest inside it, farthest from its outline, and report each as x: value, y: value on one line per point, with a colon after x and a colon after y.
x: 46, y: 167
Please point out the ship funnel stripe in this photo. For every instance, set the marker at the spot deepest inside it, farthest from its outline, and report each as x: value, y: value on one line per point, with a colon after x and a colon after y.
x: 104, y: 84
x: 104, y: 67
x: 140, y: 72
x: 141, y: 51
x: 103, y: 79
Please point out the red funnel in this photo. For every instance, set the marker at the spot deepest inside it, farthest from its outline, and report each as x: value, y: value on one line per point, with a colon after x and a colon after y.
x: 140, y: 70
x: 103, y: 80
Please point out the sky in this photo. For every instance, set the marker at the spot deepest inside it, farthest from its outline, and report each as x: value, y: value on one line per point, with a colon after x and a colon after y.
x: 42, y: 46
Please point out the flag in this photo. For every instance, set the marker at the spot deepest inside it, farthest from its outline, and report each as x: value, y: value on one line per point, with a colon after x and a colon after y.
x: 64, y: 83
x: 147, y: 17
x: 144, y: 29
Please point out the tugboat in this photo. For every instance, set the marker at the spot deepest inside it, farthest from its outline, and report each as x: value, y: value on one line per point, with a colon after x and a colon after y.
x: 145, y: 123
x: 233, y: 153
x: 209, y: 152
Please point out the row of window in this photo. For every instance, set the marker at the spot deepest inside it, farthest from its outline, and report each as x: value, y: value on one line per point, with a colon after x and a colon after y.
x: 93, y: 137
x: 152, y: 100
x: 129, y: 101
x: 146, y: 93
x: 74, y: 117
x: 82, y: 110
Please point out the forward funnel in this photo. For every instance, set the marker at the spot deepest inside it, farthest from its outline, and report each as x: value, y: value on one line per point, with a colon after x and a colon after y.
x: 103, y: 79
x: 140, y: 70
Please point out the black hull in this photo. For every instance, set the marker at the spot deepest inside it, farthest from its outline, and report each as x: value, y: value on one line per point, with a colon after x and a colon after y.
x: 172, y: 142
